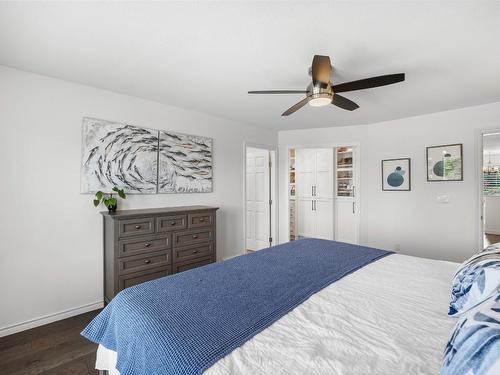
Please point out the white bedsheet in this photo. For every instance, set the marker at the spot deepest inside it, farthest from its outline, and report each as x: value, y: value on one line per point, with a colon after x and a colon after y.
x: 389, y: 317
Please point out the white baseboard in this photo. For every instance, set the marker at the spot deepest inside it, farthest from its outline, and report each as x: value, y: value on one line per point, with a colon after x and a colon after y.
x: 9, y: 330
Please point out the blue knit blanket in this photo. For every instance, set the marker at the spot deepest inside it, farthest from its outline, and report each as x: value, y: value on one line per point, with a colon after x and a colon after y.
x: 184, y: 323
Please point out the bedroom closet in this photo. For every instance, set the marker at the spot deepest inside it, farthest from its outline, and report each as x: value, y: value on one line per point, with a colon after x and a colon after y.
x: 322, y: 193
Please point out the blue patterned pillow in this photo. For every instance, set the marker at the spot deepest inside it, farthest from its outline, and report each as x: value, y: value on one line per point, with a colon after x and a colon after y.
x: 475, y: 280
x: 492, y: 247
x: 474, y: 347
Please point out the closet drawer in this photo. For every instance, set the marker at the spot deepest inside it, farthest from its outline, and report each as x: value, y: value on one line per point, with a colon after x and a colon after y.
x: 135, y: 227
x: 200, y: 220
x: 193, y: 237
x: 195, y: 263
x: 170, y: 223
x: 140, y: 263
x: 182, y: 254
x: 142, y: 245
x: 127, y: 281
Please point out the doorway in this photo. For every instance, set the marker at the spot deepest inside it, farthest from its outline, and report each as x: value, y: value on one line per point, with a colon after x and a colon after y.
x: 260, y: 189
x: 323, y: 201
x: 491, y: 188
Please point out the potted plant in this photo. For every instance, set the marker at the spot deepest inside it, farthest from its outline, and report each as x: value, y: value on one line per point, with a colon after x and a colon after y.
x: 108, y: 199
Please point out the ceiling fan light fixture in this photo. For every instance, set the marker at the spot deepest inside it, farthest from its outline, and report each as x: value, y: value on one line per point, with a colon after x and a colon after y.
x: 320, y: 100
x: 322, y: 92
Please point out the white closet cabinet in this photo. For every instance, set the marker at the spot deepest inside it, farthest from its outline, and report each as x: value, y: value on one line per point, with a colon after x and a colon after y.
x: 314, y: 182
x: 346, y: 221
x: 346, y: 197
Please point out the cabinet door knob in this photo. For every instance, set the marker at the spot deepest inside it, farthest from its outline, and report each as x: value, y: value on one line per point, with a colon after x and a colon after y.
x: 172, y: 223
x: 137, y: 227
x: 147, y: 244
x: 195, y: 252
x: 202, y: 220
x: 195, y: 237
x: 147, y: 261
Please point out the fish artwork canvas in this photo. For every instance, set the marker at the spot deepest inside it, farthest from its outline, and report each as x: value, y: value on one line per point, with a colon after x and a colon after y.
x: 185, y: 163
x: 117, y: 154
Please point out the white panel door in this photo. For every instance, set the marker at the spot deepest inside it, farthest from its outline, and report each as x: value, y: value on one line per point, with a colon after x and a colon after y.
x: 324, y: 173
x: 257, y: 199
x: 346, y: 221
x: 305, y: 166
x: 306, y: 225
x: 324, y: 218
x: 250, y: 203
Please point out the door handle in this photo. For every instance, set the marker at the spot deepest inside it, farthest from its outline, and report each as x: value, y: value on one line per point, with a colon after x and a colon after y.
x: 312, y: 190
x: 312, y: 205
x: 353, y: 207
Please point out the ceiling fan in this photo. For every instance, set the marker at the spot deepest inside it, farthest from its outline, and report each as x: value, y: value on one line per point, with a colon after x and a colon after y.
x: 321, y: 91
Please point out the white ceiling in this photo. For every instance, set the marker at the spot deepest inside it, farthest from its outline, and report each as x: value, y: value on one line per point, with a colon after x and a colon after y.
x: 205, y: 56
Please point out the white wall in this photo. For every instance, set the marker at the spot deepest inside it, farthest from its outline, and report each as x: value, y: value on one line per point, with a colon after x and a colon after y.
x: 50, y: 234
x: 413, y: 220
x: 492, y: 214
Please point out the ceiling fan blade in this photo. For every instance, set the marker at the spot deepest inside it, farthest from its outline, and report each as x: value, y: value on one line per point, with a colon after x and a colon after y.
x: 321, y: 70
x: 295, y: 107
x: 279, y: 92
x: 368, y: 83
x: 344, y: 103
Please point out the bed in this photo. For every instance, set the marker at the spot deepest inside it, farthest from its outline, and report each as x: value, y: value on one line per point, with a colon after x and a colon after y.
x: 388, y: 316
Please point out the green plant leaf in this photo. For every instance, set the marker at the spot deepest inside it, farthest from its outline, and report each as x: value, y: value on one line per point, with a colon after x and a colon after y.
x: 96, y: 202
x: 99, y: 195
x: 120, y: 192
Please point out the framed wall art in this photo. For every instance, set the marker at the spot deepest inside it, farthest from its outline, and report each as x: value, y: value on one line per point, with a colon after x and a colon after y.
x: 445, y: 163
x: 396, y: 174
x: 142, y: 160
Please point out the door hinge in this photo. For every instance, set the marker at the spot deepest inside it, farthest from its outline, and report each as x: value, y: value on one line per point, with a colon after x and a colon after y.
x: 270, y: 201
x: 270, y: 163
x: 270, y: 240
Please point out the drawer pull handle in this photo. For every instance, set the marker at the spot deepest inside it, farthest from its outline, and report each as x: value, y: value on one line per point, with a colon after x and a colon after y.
x: 137, y: 227
x: 172, y: 223
x: 195, y: 237
x: 195, y: 252
x: 147, y: 261
x: 202, y: 220
x: 147, y: 244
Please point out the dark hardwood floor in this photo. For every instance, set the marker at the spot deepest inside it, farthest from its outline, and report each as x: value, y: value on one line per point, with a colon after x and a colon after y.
x: 55, y: 348
x: 491, y: 239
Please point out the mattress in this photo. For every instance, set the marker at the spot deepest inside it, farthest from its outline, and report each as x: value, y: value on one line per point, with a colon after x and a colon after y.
x: 390, y: 317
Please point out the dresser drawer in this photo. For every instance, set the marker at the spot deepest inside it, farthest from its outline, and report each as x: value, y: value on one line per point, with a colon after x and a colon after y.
x: 146, y: 262
x: 170, y: 223
x: 135, y: 227
x: 182, y: 254
x: 195, y: 263
x: 193, y: 237
x: 142, y: 245
x: 137, y: 278
x: 200, y: 220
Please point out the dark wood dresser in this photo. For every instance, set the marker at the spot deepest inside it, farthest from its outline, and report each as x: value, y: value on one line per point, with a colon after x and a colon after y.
x: 143, y: 245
